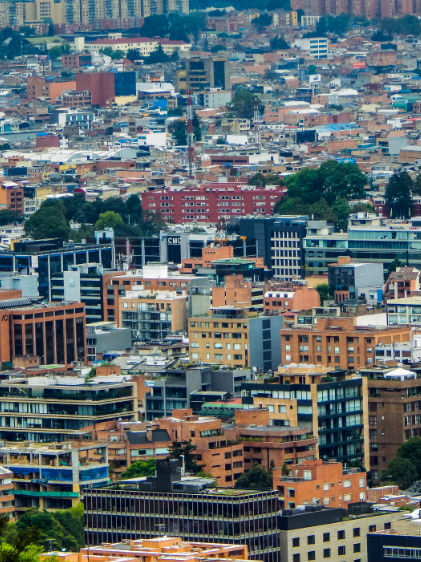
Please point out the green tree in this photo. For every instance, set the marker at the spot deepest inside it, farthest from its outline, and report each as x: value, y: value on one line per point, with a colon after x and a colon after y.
x: 185, y: 450
x: 134, y: 209
x: 400, y: 471
x: 262, y: 21
x: 341, y: 210
x: 342, y: 181
x: 258, y: 179
x: 140, y: 468
x: 363, y: 208
x: 394, y: 265
x: 278, y: 43
x: 243, y: 104
x: 9, y: 217
x: 411, y: 451
x: 178, y: 131
x: 398, y: 195
x: 157, y: 56
x: 257, y: 478
x: 197, y: 127
x: 155, y: 26
x: 324, y: 292
x: 133, y: 54
x: 47, y: 222
x: 109, y: 219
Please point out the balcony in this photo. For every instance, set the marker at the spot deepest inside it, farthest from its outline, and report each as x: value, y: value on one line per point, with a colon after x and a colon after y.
x: 46, y: 494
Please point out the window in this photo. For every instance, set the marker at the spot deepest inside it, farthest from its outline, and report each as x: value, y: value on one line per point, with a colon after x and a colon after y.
x: 326, y: 537
x: 372, y: 529
x: 357, y: 547
x: 341, y: 535
x: 311, y: 555
x: 295, y: 558
x: 341, y: 550
x: 326, y: 553
x: 356, y: 532
x: 296, y: 541
x: 311, y: 539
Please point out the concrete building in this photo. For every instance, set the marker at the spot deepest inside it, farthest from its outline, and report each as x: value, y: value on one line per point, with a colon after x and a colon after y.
x: 323, y: 483
x: 290, y: 297
x: 53, y: 332
x: 404, y: 311
x: 53, y: 476
x: 333, y: 404
x: 105, y: 338
x: 315, y: 47
x: 394, y: 413
x: 45, y: 409
x: 203, y: 73
x: 7, y: 498
x: 330, y: 534
x: 11, y: 197
x: 235, y: 337
x: 402, y: 283
x: 355, y: 281
x: 187, y: 507
x: 337, y: 342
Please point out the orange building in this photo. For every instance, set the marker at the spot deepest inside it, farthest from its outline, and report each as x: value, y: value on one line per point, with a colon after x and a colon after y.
x: 216, y: 454
x: 324, y: 483
x: 209, y: 254
x: 56, y: 333
x: 288, y: 297
x: 159, y: 549
x: 7, y: 498
x: 337, y: 342
x: 11, y: 197
x: 237, y: 292
x: 402, y: 283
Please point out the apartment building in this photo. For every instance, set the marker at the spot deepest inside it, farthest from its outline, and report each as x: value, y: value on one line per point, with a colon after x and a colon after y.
x: 322, y: 483
x: 11, y: 197
x: 186, y: 507
x: 238, y: 292
x: 331, y: 403
x: 235, y: 337
x: 404, y: 311
x: 402, y: 283
x: 160, y: 549
x: 104, y: 339
x: 394, y: 413
x: 7, y: 497
x: 349, y: 280
x: 53, y: 476
x: 284, y: 297
x: 330, y: 534
x: 54, y: 409
x: 153, y: 315
x: 337, y: 342
x: 315, y: 47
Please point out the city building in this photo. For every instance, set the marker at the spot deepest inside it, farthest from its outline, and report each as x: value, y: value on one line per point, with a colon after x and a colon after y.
x: 315, y: 47
x: 402, y: 283
x: 394, y: 413
x: 7, y: 498
x: 332, y: 403
x: 161, y: 549
x: 211, y: 202
x: 404, y: 311
x: 187, y: 507
x: 203, y: 73
x: 53, y: 476
x: 322, y: 483
x: 290, y: 297
x: 235, y: 337
x: 105, y: 338
x: 338, y: 342
x: 44, y: 409
x: 53, y: 332
x: 11, y: 197
x: 319, y: 533
x: 355, y: 281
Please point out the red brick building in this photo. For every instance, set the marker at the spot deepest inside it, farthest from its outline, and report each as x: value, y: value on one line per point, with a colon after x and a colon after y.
x: 212, y: 202
x: 100, y: 84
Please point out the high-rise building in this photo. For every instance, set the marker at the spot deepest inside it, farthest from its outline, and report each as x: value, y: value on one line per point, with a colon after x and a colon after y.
x: 204, y: 73
x: 186, y: 507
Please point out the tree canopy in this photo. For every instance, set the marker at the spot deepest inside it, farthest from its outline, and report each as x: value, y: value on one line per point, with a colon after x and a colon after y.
x: 257, y: 478
x: 398, y: 194
x: 48, y: 222
x: 324, y: 192
x: 140, y: 468
x: 244, y: 103
x: 405, y: 468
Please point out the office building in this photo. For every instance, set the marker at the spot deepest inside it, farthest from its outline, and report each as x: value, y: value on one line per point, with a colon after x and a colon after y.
x: 53, y: 409
x: 404, y: 311
x: 280, y: 241
x: 45, y: 257
x: 54, y: 332
x: 186, y: 507
x: 80, y: 283
x: 315, y: 47
x: 105, y: 338
x: 394, y: 413
x: 333, y: 404
x: 53, y: 476
x: 337, y: 342
x: 330, y: 534
x: 203, y: 73
x: 322, y: 483
x: 349, y: 280
x: 7, y: 497
x: 235, y: 337
x: 322, y: 246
